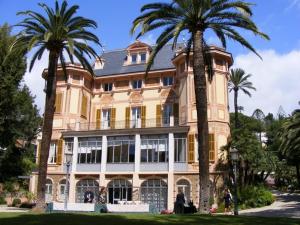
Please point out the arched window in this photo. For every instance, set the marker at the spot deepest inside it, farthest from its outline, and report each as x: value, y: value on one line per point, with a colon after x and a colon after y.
x: 185, y: 187
x: 119, y: 190
x: 48, y: 191
x: 84, y: 185
x: 62, y: 189
x: 155, y: 191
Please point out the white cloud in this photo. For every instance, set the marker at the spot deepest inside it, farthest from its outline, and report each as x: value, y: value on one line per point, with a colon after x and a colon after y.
x: 35, y: 81
x: 276, y: 78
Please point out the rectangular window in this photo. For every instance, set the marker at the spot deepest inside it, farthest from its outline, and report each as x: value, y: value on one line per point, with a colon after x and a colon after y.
x: 89, y: 150
x: 134, y: 58
x: 180, y: 149
x: 143, y: 57
x: 211, y: 142
x: 108, y: 87
x: 154, y: 150
x: 52, y: 153
x: 120, y: 150
x: 167, y: 112
x: 168, y: 81
x: 137, y: 84
x: 135, y: 116
x: 106, y: 121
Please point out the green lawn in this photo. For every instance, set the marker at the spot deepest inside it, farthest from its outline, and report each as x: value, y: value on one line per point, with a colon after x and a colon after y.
x: 135, y: 219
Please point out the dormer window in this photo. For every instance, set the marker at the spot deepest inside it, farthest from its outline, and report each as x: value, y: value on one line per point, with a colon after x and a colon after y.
x: 108, y: 87
x: 134, y: 58
x: 168, y: 81
x: 143, y: 57
x: 137, y: 84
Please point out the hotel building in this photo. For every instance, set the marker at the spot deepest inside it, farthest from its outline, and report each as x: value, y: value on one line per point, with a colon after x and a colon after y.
x: 135, y: 135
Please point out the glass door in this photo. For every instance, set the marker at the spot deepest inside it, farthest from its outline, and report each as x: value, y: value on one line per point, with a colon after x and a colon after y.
x: 136, y: 115
x: 106, y: 118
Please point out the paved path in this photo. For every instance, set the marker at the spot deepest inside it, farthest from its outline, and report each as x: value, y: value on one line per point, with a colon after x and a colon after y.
x: 4, y: 208
x: 286, y: 205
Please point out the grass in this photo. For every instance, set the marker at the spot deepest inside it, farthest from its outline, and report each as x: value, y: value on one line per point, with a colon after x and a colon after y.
x: 136, y: 219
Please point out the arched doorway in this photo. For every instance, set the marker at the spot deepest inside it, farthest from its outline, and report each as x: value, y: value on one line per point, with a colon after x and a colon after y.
x: 185, y: 187
x: 87, y: 184
x: 119, y: 190
x: 155, y: 191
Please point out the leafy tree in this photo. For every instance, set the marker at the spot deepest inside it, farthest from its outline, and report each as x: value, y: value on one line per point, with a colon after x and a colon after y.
x: 19, y: 118
x: 290, y: 141
x: 195, y: 17
x: 238, y: 81
x: 259, y: 115
x: 58, y: 31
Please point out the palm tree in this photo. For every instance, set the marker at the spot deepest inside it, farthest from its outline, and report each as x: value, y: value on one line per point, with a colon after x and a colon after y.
x: 58, y: 31
x: 194, y: 18
x: 290, y: 141
x: 239, y: 81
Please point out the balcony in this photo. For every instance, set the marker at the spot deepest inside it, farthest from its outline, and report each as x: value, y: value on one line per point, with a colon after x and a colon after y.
x: 128, y: 124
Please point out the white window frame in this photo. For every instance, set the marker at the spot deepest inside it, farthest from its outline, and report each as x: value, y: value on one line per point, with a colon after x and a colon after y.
x: 139, y: 84
x: 109, y: 87
x: 52, y: 153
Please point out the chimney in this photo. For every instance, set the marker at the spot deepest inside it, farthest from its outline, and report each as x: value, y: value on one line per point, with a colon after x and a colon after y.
x: 99, y: 63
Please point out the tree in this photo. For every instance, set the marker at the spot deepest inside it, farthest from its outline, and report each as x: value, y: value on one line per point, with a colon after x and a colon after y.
x: 19, y: 116
x: 259, y: 115
x: 195, y: 17
x: 290, y: 142
x: 239, y: 81
x: 58, y: 31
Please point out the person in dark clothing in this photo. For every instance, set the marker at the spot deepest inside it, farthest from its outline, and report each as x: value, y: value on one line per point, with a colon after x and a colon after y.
x: 227, y: 200
x: 88, y: 196
x: 179, y: 204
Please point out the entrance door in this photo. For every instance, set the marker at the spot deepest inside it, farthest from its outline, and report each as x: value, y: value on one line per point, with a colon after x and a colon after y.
x: 106, y: 118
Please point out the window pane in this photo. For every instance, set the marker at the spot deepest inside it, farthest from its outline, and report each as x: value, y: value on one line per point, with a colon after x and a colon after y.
x: 117, y: 153
x: 131, y: 152
x: 124, y: 153
x: 133, y: 58
x: 143, y: 57
x: 110, y: 154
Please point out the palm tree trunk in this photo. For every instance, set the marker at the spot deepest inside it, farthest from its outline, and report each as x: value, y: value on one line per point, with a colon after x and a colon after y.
x: 235, y: 109
x: 47, y: 129
x: 201, y: 105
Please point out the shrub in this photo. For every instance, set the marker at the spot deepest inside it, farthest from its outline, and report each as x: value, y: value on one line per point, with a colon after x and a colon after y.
x: 255, y: 196
x: 27, y: 205
x: 2, y: 200
x: 16, y: 202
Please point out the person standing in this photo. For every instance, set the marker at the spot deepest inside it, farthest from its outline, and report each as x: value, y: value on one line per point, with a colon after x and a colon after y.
x: 227, y: 200
x: 88, y: 196
x: 179, y: 204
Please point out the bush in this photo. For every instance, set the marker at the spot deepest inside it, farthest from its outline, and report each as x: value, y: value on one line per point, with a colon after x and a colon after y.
x: 255, y: 196
x: 2, y: 200
x: 16, y: 202
x: 27, y: 205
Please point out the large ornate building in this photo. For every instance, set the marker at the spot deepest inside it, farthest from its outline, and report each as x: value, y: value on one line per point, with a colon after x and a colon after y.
x: 135, y: 135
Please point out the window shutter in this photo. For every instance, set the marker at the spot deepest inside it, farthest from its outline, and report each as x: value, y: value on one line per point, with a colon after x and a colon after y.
x: 158, y: 115
x: 143, y: 116
x: 176, y: 112
x: 127, y: 117
x: 211, y: 142
x: 84, y: 106
x: 58, y: 103
x: 59, y: 152
x: 98, y: 118
x: 113, y: 118
x: 191, y: 148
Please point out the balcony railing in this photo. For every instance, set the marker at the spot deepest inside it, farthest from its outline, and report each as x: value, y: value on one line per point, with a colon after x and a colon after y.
x: 138, y: 123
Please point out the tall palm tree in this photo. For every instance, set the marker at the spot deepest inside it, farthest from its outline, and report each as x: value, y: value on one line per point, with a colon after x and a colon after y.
x: 290, y: 141
x: 238, y: 81
x: 194, y: 18
x: 58, y: 31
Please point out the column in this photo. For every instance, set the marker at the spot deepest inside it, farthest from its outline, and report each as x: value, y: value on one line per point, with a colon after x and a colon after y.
x: 72, y: 188
x: 171, y: 152
x: 170, y: 191
x: 72, y: 181
x: 137, y: 153
x: 104, y: 154
x: 75, y: 155
x: 135, y: 187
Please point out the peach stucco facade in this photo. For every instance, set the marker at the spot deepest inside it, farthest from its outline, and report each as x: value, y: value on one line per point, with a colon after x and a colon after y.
x: 133, y: 134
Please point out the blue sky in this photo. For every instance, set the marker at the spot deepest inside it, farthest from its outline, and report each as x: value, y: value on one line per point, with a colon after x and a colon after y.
x: 280, y: 19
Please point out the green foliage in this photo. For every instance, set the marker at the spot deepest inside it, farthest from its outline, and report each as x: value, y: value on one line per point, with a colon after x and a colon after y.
x: 16, y: 202
x: 2, y: 200
x: 255, y: 196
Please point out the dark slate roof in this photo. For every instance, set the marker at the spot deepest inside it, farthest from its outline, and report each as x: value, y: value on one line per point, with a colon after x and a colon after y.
x: 114, y: 60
